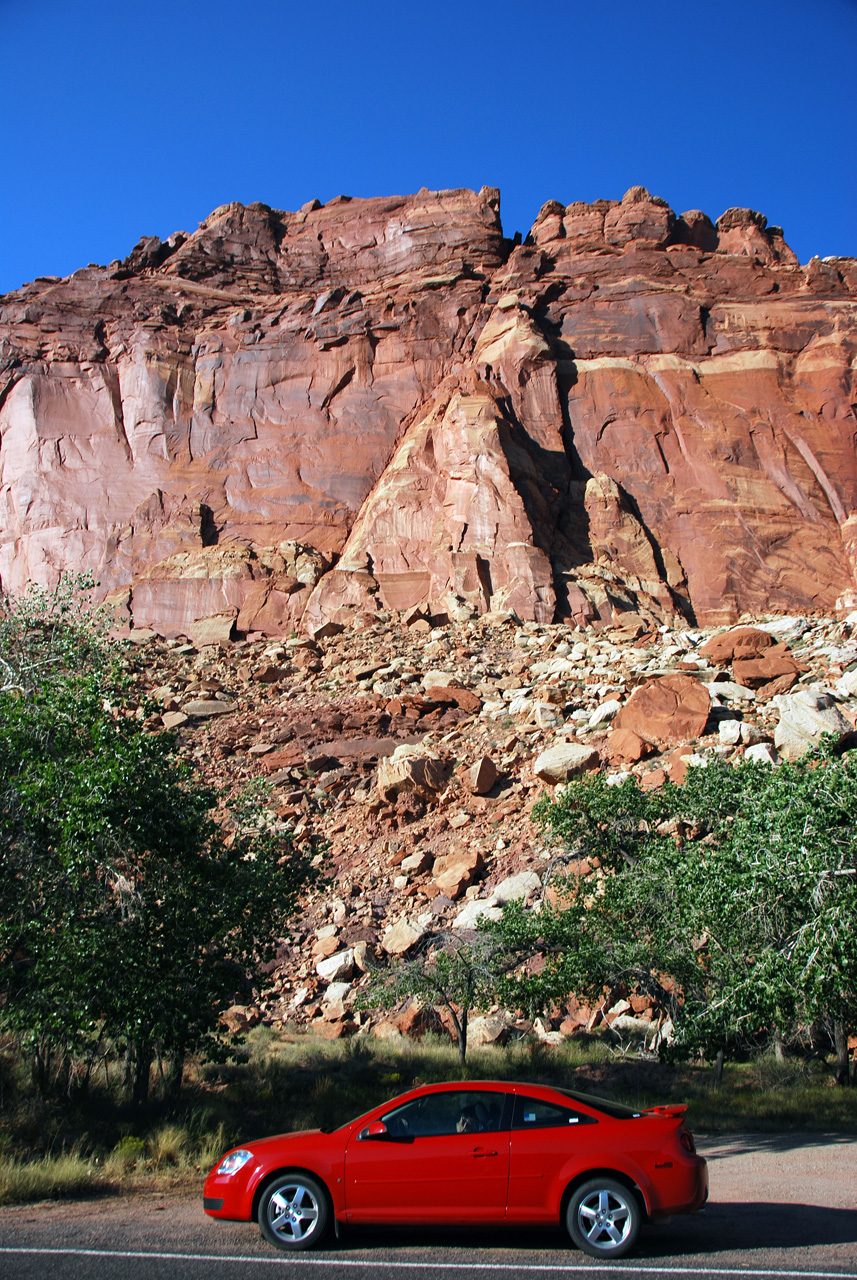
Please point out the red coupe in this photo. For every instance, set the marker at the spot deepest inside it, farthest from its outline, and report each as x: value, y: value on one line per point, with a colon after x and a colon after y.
x: 470, y: 1153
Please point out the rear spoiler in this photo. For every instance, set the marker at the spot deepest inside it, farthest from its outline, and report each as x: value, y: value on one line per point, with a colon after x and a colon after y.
x: 669, y: 1109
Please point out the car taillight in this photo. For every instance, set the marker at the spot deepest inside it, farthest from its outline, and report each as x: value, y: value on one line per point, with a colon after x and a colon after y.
x: 686, y: 1140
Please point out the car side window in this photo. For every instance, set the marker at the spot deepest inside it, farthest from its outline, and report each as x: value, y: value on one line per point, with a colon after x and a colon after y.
x: 453, y: 1111
x: 533, y: 1113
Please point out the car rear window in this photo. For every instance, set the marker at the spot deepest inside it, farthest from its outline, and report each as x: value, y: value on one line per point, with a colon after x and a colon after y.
x: 615, y: 1110
x: 534, y: 1113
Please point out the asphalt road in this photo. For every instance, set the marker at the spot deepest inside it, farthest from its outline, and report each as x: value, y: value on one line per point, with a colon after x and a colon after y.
x: 779, y: 1207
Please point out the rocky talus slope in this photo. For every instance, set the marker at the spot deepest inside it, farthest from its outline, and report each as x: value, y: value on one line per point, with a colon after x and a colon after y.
x: 416, y: 749
x: 287, y: 420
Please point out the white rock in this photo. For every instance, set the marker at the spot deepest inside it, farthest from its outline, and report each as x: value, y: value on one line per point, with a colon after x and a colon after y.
x: 416, y: 862
x: 804, y: 717
x: 762, y: 752
x: 474, y: 910
x: 547, y: 716
x: 846, y: 686
x: 336, y: 991
x: 616, y: 779
x: 521, y: 706
x: 545, y: 1035
x: 605, y: 712
x: 338, y: 967
x: 628, y: 1023
x: 515, y: 888
x: 729, y: 691
x: 785, y: 629
x: 443, y: 679
x: 487, y: 1030
x: 729, y: 732
x: 751, y: 733
x: 564, y: 760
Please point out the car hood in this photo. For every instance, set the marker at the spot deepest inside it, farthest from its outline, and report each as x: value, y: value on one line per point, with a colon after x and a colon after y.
x: 296, y: 1135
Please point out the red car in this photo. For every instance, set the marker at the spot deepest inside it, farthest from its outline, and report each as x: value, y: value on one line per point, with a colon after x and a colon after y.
x: 470, y: 1153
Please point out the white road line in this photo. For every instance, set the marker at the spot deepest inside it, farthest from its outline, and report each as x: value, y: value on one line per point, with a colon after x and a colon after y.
x: 377, y: 1264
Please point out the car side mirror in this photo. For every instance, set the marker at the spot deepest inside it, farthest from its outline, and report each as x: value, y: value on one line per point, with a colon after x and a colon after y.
x: 376, y: 1130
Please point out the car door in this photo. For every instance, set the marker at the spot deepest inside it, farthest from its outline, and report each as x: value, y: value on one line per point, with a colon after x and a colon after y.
x: 444, y: 1157
x: 544, y: 1138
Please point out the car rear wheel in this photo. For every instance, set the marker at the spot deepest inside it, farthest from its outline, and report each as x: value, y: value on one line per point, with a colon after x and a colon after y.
x: 603, y: 1218
x: 294, y: 1212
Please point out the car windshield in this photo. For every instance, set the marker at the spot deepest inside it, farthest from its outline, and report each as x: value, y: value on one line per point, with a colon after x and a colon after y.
x: 613, y: 1109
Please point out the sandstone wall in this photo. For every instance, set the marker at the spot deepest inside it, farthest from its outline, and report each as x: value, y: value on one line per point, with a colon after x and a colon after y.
x: 292, y: 418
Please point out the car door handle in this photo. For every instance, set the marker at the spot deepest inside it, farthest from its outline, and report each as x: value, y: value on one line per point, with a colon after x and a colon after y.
x: 479, y: 1153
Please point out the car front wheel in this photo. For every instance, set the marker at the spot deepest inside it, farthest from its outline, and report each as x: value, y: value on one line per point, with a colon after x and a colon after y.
x: 603, y: 1218
x: 294, y: 1212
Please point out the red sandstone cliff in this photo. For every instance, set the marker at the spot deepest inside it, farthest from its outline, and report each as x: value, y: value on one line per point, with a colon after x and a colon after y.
x: 288, y: 418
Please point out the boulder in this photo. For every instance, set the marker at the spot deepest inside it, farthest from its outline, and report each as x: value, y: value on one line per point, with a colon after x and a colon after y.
x: 474, y: 911
x: 411, y: 768
x: 563, y: 761
x: 515, y: 888
x: 239, y: 1018
x: 214, y: 630
x: 754, y: 672
x: 336, y: 968
x: 729, y: 691
x: 670, y: 709
x: 400, y: 937
x: 174, y: 719
x: 336, y: 992
x: 605, y: 712
x: 455, y: 872
x: 204, y: 709
x: 623, y: 746
x: 741, y: 642
x: 270, y: 673
x: 463, y: 698
x: 546, y: 715
x: 481, y: 776
x: 805, y: 717
x: 439, y: 680
x: 486, y: 1030
x: 415, y: 863
x: 762, y: 753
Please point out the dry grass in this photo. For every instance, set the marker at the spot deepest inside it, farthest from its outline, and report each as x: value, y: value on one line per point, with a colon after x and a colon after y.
x: 289, y: 1079
x: 50, y: 1178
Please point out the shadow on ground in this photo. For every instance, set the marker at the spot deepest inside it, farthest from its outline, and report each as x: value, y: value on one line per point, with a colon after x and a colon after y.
x: 722, y: 1228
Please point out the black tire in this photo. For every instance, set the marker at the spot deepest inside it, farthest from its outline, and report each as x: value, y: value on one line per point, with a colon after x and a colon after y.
x: 603, y: 1218
x: 294, y: 1212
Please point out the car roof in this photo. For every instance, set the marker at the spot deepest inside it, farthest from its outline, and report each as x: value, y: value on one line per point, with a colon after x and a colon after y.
x: 549, y: 1093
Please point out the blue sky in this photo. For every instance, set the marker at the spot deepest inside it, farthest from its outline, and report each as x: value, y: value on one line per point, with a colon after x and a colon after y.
x: 128, y: 119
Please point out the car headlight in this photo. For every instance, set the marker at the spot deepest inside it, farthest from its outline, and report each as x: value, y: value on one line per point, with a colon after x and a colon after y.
x: 234, y: 1161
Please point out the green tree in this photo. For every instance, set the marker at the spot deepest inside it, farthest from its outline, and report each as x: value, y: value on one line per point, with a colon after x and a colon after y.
x: 453, y: 971
x: 129, y: 912
x: 730, y: 899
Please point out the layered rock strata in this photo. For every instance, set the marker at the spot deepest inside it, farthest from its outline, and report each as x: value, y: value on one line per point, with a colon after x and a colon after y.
x: 288, y: 420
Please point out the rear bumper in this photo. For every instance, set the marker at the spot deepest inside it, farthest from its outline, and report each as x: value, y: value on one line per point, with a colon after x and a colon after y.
x: 689, y: 1191
x: 700, y: 1193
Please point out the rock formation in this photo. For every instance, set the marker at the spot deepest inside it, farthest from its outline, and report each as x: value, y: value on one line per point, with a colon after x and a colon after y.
x: 290, y: 420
